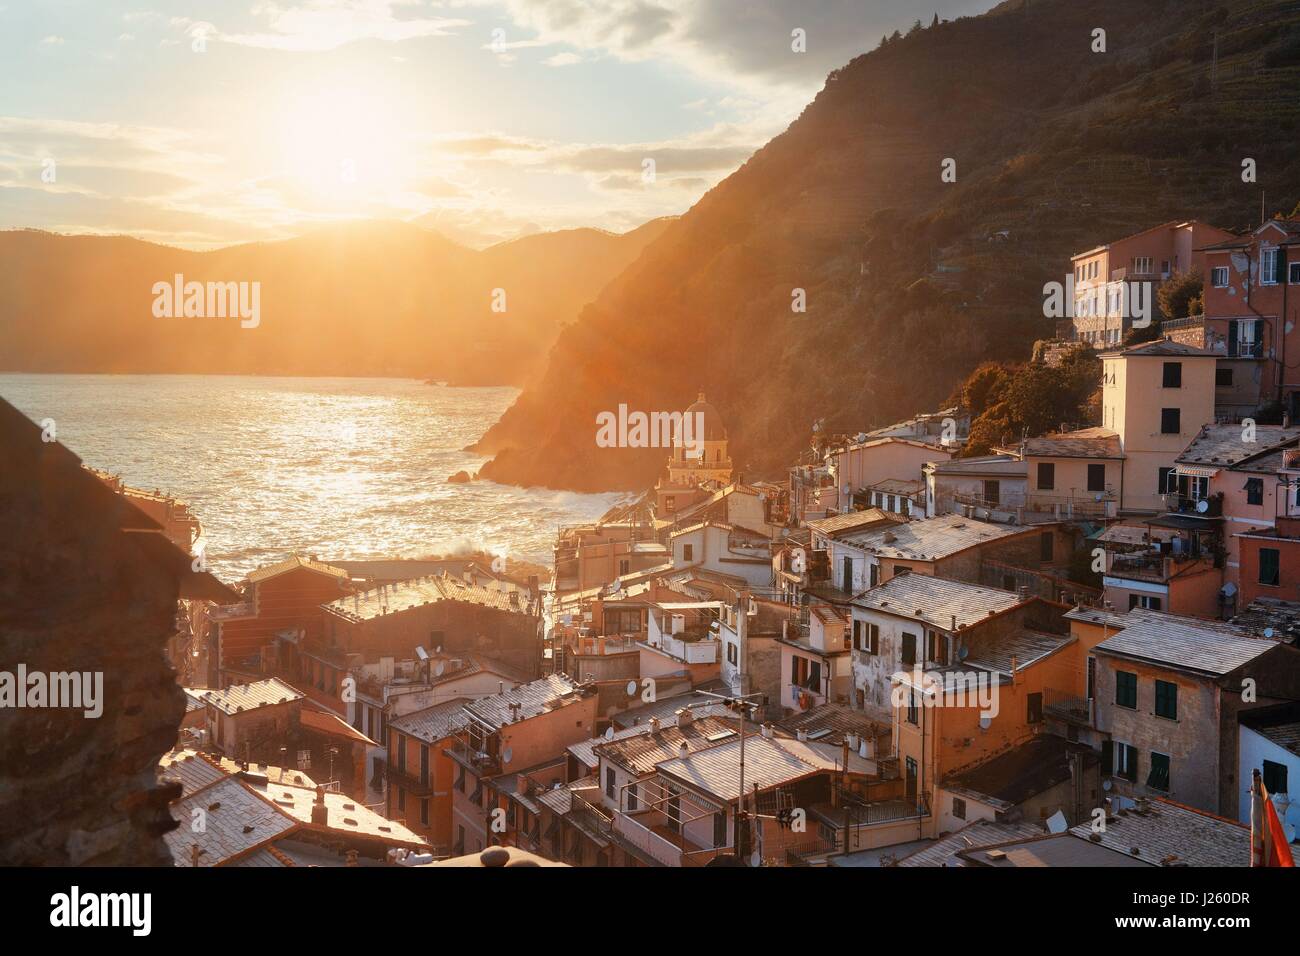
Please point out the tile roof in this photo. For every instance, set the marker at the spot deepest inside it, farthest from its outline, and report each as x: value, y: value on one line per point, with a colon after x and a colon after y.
x: 404, y: 595
x: 193, y: 771
x: 536, y: 697
x: 1165, y: 639
x: 988, y: 464
x: 235, y: 820
x: 1225, y: 445
x: 769, y: 762
x: 1162, y: 347
x: 1051, y: 849
x: 1024, y: 771
x: 1279, y: 723
x: 838, y: 719
x: 292, y: 564
x: 837, y: 525
x: 665, y: 708
x: 585, y: 750
x: 1169, y: 832
x: 929, y: 539
x: 1083, y: 443
x: 641, y: 753
x: 432, y: 723
x: 1025, y: 646
x: 238, y: 698
x: 943, y: 852
x: 344, y: 815
x: 936, y: 601
x: 898, y: 486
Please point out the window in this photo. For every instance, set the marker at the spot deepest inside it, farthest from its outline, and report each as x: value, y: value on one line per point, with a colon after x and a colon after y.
x: 609, y: 782
x: 1046, y: 542
x: 874, y: 575
x: 1167, y: 482
x: 460, y: 780
x: 1035, y: 715
x: 631, y: 796
x: 1126, y: 761
x: 1254, y: 491
x: 1166, y: 699
x: 1223, y: 378
x: 1046, y: 476
x: 1268, y: 266
x: 866, y: 637
x: 1293, y: 273
x: 670, y: 502
x: 424, y: 763
x: 1275, y: 777
x: 1126, y: 689
x: 1173, y: 375
x: 719, y: 829
x: 1171, y: 421
x: 401, y: 799
x: 1142, y: 265
x: 909, y: 649
x: 733, y: 655
x: 912, y: 717
x: 1245, y: 338
x: 959, y: 808
x: 1148, y: 601
x: 424, y: 811
x: 1219, y: 277
x: 688, y: 552
x: 1158, y: 778
x: 624, y: 566
x: 1096, y: 477
x: 1268, y: 566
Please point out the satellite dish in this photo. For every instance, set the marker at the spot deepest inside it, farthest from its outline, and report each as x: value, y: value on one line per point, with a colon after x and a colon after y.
x: 1269, y: 632
x: 985, y: 723
x: 1057, y: 823
x: 1202, y: 506
x: 506, y: 755
x: 962, y: 651
x: 440, y: 668
x: 438, y: 650
x: 609, y: 733
x: 631, y: 688
x: 1105, y: 785
x: 421, y: 653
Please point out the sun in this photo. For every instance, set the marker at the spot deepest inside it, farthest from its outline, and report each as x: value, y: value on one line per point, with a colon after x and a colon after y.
x: 341, y: 145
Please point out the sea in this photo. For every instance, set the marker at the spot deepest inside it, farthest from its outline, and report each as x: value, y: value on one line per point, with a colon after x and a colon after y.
x: 343, y: 468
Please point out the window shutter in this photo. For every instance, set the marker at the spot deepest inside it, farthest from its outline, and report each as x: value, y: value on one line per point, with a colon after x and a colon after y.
x: 1107, y: 757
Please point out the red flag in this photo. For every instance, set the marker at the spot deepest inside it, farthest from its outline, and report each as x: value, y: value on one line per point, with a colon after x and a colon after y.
x: 1268, y: 843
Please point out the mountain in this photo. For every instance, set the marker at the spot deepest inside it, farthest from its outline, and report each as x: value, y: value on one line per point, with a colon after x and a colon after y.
x: 372, y: 298
x: 911, y: 281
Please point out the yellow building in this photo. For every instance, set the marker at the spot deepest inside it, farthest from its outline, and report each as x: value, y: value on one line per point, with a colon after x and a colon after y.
x: 1155, y: 397
x: 701, y: 454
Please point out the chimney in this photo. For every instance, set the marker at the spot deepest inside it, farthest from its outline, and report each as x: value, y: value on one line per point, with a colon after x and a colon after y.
x: 683, y: 751
x: 684, y: 717
x: 319, y: 812
x: 654, y: 725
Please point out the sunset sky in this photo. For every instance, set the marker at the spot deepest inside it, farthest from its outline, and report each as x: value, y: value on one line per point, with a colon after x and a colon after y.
x: 484, y: 120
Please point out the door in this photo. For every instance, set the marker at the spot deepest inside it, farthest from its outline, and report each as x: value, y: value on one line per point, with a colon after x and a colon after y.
x: 911, y: 780
x: 848, y: 575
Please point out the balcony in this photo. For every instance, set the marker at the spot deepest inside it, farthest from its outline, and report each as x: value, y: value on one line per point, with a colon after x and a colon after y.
x: 1187, y: 505
x: 660, y: 844
x: 1246, y: 350
x: 410, y: 781
x: 1068, y: 707
x: 689, y: 652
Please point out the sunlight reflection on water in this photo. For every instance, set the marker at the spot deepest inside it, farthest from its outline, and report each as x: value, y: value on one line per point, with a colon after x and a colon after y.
x: 339, y: 467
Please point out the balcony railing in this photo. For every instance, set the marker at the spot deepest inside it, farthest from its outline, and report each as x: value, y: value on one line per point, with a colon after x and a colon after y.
x: 1185, y: 504
x: 1249, y: 350
x: 1067, y: 706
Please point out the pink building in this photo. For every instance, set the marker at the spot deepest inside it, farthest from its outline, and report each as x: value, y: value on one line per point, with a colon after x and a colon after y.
x: 1131, y: 268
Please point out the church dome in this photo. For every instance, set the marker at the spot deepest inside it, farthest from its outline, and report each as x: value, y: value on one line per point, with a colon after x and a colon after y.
x: 713, y: 429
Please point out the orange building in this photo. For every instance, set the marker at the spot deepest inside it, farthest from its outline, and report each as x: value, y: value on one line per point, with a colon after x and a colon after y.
x: 278, y: 598
x: 420, y: 774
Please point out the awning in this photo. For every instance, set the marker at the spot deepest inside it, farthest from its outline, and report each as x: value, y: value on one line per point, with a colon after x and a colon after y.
x: 1197, y: 471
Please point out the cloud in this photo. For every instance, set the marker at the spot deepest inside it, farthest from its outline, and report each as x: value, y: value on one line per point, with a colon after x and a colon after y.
x: 562, y: 59
x: 320, y: 25
x: 52, y: 41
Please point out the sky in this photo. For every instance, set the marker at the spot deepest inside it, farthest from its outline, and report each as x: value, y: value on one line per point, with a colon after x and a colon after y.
x: 207, y: 123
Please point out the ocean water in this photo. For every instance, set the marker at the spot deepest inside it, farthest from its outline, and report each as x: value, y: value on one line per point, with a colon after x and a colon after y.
x: 338, y: 467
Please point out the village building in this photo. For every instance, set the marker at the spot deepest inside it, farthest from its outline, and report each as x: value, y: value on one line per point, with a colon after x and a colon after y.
x: 1168, y: 691
x: 726, y: 549
x: 1111, y: 281
x: 517, y: 731
x: 279, y: 619
x: 419, y: 774
x: 704, y: 458
x: 857, y: 466
x: 435, y: 612
x: 1249, y: 313
x: 249, y: 819
x: 989, y: 487
x: 1269, y: 741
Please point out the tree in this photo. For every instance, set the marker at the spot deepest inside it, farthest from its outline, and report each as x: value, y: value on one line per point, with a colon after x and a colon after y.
x: 1183, y: 293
